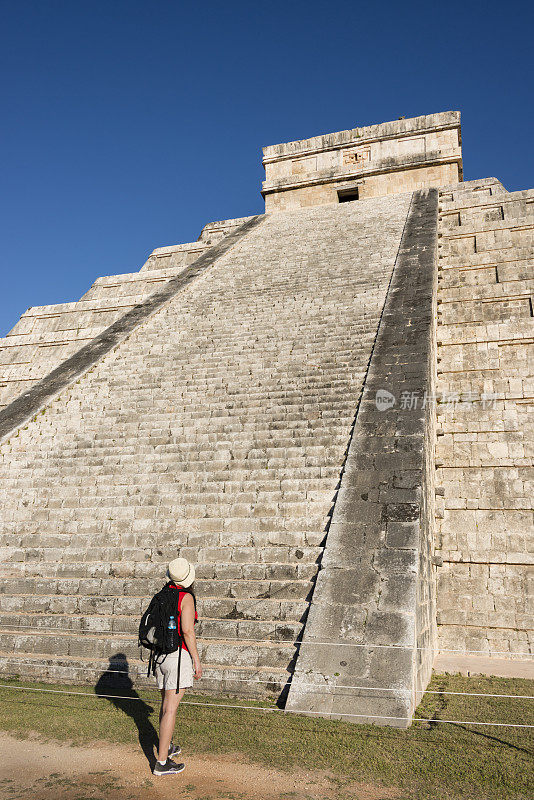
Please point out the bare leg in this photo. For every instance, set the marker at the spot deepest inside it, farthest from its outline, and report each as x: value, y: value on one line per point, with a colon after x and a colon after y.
x: 170, y: 700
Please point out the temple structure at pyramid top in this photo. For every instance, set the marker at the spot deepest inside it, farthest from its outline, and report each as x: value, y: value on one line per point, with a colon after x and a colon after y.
x: 373, y: 161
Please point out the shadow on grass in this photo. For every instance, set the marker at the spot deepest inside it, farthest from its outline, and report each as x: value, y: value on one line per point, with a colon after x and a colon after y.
x: 496, y: 739
x: 441, y: 711
x: 115, y: 680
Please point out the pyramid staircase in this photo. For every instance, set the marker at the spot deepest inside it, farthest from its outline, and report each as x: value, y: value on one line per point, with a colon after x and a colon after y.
x: 216, y: 430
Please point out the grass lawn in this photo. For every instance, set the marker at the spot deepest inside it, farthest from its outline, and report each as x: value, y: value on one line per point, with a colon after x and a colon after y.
x: 440, y: 761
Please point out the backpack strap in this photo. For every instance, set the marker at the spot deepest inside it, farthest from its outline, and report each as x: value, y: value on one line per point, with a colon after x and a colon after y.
x: 179, y: 663
x: 179, y: 621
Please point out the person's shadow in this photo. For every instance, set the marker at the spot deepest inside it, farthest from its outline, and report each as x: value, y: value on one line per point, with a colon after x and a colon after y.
x: 116, y: 681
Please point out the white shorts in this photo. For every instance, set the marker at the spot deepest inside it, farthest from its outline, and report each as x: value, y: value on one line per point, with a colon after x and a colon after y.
x: 167, y: 671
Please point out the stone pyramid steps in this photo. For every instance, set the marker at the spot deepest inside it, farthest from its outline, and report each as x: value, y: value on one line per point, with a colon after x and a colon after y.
x: 244, y: 680
x: 179, y: 442
x: 115, y: 587
x: 127, y: 286
x: 243, y: 530
x: 284, y: 624
x: 186, y: 451
x: 207, y: 629
x: 224, y: 645
x: 222, y: 547
x: 236, y: 535
x: 216, y: 431
x: 47, y: 335
x: 259, y: 610
x: 243, y: 675
x: 210, y: 499
x: 289, y: 515
x: 209, y: 472
x: 222, y: 652
x: 139, y: 569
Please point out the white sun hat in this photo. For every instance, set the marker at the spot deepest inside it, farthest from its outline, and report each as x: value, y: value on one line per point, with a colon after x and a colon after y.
x: 182, y: 572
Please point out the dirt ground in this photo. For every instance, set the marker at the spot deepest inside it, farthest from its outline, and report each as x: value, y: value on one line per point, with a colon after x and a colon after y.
x: 57, y: 771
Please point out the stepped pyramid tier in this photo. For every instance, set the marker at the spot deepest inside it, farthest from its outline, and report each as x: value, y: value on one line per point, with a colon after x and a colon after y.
x: 271, y: 402
x: 45, y: 336
x: 485, y: 440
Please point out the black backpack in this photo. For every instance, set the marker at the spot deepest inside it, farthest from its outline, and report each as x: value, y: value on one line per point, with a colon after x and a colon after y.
x: 155, y: 631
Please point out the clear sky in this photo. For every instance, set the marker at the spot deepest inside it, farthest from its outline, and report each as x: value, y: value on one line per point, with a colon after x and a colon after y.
x: 128, y: 125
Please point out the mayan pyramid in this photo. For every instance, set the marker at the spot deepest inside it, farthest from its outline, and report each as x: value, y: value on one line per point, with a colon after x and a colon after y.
x: 327, y: 408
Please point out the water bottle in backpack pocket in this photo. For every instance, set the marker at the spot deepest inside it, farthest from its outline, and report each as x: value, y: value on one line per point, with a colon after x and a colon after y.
x: 171, y: 636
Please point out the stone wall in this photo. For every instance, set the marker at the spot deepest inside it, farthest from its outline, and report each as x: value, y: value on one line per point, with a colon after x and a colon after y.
x: 486, y: 434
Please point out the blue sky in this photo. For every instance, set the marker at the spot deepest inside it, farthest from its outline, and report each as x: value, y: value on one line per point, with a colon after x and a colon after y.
x: 129, y: 125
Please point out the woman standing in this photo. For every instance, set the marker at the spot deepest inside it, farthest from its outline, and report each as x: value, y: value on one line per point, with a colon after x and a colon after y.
x: 181, y: 575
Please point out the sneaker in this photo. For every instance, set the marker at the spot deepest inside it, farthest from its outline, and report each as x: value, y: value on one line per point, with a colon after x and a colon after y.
x: 174, y: 750
x: 169, y: 768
